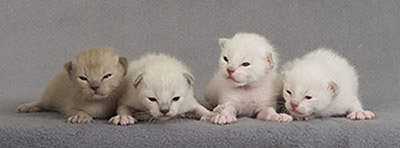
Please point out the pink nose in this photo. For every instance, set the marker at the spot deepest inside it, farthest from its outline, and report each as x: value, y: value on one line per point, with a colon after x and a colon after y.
x: 230, y: 71
x: 294, y: 105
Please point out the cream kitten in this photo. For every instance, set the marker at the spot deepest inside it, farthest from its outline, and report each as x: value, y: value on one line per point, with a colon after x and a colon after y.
x: 87, y: 88
x: 322, y: 83
x: 247, y: 82
x: 161, y: 85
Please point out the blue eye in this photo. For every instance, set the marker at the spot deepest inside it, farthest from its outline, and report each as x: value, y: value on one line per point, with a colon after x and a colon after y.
x: 107, y: 76
x: 83, y: 78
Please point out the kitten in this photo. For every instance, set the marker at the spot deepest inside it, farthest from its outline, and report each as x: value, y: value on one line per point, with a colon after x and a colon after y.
x: 247, y: 81
x: 160, y: 85
x: 87, y: 88
x: 322, y: 83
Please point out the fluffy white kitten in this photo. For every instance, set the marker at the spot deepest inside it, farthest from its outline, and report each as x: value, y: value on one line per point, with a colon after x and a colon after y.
x: 160, y: 85
x: 322, y: 83
x: 247, y: 82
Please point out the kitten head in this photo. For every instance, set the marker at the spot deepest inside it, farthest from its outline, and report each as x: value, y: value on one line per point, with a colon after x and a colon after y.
x: 306, y: 94
x: 245, y: 58
x: 97, y: 72
x: 163, y: 89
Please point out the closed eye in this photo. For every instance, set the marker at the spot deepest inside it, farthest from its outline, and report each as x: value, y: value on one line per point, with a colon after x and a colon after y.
x: 308, y: 97
x: 107, y: 76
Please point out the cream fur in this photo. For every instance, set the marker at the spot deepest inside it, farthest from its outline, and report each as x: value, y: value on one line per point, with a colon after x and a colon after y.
x: 162, y: 78
x: 251, y: 90
x: 330, y: 81
x: 74, y: 97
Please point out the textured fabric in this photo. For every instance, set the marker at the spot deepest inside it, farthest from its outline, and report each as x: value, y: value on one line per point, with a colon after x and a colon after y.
x: 38, y: 36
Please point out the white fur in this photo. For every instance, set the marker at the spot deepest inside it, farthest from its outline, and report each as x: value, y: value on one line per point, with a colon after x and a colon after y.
x: 251, y: 90
x: 331, y: 82
x: 161, y: 77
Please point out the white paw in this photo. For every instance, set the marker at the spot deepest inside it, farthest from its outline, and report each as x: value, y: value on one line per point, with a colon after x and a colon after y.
x: 223, y: 119
x: 310, y: 117
x: 280, y: 118
x: 361, y: 115
x: 28, y: 108
x: 122, y: 120
x: 218, y: 109
x: 80, y: 118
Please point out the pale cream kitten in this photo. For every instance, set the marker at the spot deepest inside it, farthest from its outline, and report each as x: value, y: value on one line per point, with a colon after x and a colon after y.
x: 88, y: 87
x: 322, y: 83
x: 160, y: 85
x: 246, y: 83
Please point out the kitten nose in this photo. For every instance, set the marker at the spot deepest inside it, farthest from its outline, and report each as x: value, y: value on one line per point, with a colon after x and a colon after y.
x: 164, y: 110
x: 230, y: 71
x: 294, y: 105
x: 95, y: 87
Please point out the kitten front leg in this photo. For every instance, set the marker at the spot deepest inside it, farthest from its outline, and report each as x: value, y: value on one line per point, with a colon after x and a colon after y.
x: 124, y: 116
x: 30, y: 107
x: 202, y: 113
x: 359, y: 114
x: 269, y: 114
x: 356, y: 112
x: 79, y: 117
x: 306, y: 118
x: 226, y: 114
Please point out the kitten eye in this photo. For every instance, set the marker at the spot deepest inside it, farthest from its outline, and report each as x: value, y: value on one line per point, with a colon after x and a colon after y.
x: 107, y: 76
x: 83, y: 78
x: 245, y: 64
x: 152, y: 99
x: 289, y: 92
x: 226, y: 59
x: 176, y: 98
x: 308, y: 97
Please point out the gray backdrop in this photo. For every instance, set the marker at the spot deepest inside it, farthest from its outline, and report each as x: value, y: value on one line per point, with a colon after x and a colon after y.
x: 38, y: 36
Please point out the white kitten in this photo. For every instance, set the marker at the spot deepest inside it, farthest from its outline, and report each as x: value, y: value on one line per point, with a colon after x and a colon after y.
x: 161, y: 85
x: 322, y: 83
x: 247, y: 82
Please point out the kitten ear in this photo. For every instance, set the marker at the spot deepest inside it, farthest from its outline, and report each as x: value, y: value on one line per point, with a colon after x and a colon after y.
x: 124, y: 62
x: 333, y: 87
x: 222, y: 42
x: 189, y: 77
x: 68, y: 67
x: 138, y: 79
x: 270, y: 61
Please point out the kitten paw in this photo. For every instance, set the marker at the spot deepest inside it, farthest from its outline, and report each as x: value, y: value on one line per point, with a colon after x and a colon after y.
x: 29, y: 108
x: 223, y: 119
x: 280, y: 118
x: 218, y: 109
x: 80, y: 118
x: 361, y: 115
x: 310, y: 117
x: 122, y: 120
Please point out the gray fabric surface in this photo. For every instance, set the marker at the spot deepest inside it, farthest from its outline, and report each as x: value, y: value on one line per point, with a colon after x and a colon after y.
x: 38, y: 36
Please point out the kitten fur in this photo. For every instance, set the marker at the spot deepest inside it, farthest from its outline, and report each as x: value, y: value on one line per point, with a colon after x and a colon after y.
x: 246, y: 83
x: 158, y: 83
x: 88, y: 87
x: 322, y: 83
